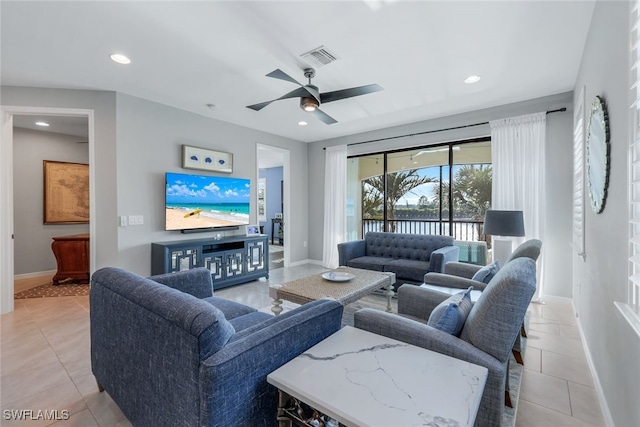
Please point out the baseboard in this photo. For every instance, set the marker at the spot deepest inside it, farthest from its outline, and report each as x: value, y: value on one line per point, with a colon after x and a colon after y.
x: 554, y: 298
x: 606, y: 414
x: 35, y: 274
x: 297, y: 263
x: 305, y: 261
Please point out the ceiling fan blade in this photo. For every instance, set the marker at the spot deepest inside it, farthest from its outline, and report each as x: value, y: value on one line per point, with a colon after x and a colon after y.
x: 327, y: 119
x: 296, y: 93
x: 260, y: 106
x: 279, y: 74
x: 337, y: 95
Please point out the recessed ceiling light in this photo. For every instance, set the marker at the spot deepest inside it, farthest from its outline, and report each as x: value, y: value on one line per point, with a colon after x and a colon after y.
x: 43, y: 124
x: 119, y: 58
x: 303, y: 123
x: 472, y: 79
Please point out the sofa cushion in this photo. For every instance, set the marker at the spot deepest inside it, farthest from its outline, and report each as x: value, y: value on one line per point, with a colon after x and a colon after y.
x: 449, y: 316
x: 486, y: 273
x: 241, y: 323
x: 231, y: 309
x: 405, y: 246
x: 407, y: 269
x: 374, y: 263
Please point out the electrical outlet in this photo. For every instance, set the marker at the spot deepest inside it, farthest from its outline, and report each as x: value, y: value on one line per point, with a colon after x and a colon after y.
x: 304, y: 244
x: 122, y: 221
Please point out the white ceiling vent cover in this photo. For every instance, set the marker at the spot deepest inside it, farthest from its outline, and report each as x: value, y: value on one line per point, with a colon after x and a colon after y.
x: 319, y: 57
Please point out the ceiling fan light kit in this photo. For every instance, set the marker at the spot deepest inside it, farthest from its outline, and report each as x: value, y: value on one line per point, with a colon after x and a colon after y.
x: 310, y: 96
x: 308, y: 103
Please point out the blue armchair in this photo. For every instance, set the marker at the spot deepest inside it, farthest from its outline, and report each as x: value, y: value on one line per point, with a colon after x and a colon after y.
x: 487, y: 335
x: 170, y: 353
x: 459, y: 275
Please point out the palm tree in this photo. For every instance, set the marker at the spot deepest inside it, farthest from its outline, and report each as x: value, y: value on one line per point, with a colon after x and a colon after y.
x: 398, y: 185
x: 371, y: 201
x: 472, y: 189
x: 471, y: 192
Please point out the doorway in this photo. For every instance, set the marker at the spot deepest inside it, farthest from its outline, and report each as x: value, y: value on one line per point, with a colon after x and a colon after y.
x: 8, y: 119
x: 273, y: 170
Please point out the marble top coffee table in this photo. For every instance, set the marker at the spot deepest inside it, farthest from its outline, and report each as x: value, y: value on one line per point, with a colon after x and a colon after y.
x: 362, y: 379
x: 316, y: 287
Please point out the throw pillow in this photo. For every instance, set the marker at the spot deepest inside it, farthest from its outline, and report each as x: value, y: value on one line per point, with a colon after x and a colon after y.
x: 449, y: 316
x: 486, y: 273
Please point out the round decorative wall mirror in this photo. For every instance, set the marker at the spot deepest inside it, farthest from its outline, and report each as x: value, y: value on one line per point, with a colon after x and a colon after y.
x: 598, y: 154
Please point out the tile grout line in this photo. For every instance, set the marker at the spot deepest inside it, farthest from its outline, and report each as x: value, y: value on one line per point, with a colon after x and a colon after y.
x: 86, y: 405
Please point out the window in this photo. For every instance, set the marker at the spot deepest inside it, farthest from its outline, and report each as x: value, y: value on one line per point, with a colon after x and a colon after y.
x: 631, y: 309
x: 443, y: 189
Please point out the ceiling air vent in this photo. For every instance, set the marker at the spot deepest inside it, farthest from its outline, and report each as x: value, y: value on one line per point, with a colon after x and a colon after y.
x: 319, y: 57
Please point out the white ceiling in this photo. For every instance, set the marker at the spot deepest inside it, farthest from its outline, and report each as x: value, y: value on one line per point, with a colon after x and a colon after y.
x: 67, y: 125
x: 188, y: 54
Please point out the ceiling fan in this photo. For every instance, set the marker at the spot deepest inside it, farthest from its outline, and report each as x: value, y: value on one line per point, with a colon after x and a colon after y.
x: 310, y: 96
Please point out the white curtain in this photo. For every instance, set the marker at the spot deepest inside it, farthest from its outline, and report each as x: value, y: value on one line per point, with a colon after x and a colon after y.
x: 517, y: 155
x: 335, y: 201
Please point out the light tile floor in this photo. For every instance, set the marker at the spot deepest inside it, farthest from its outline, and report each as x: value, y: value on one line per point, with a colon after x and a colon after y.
x: 557, y: 387
x: 45, y: 362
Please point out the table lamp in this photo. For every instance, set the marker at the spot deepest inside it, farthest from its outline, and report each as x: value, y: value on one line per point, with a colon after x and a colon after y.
x: 502, y: 224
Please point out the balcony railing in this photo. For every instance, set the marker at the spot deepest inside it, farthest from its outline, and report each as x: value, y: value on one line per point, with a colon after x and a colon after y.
x: 462, y: 229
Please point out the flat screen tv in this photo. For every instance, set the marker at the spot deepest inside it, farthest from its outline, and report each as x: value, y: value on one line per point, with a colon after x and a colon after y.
x: 200, y: 202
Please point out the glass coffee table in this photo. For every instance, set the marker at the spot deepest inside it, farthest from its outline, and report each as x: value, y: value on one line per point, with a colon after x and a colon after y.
x: 344, y: 284
x: 356, y: 378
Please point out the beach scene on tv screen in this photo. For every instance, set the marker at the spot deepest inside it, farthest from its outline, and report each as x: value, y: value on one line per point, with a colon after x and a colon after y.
x: 198, y: 201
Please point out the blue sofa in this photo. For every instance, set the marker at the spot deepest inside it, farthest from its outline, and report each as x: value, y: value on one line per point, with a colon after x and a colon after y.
x: 170, y: 353
x: 409, y: 256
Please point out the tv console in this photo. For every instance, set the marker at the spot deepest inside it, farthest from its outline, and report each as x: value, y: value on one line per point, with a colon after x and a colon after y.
x: 231, y: 260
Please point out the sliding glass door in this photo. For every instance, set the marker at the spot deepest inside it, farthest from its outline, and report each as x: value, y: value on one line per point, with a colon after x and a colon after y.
x: 442, y: 189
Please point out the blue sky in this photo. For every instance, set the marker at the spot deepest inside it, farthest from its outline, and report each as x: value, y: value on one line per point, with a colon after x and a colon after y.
x: 425, y: 189
x: 187, y: 188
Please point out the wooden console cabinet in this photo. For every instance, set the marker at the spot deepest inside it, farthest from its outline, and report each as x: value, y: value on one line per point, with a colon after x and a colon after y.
x: 72, y: 256
x: 231, y: 260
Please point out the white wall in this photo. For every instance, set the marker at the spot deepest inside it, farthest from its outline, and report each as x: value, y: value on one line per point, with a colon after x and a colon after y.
x: 149, y: 141
x: 602, y: 279
x: 136, y: 142
x: 32, y: 243
x: 559, y: 220
x: 103, y: 105
x: 557, y: 250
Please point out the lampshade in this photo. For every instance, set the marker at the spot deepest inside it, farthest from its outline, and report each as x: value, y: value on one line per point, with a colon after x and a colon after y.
x: 503, y: 223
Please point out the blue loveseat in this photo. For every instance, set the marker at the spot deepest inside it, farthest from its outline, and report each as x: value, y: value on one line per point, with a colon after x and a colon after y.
x: 409, y: 256
x: 170, y: 353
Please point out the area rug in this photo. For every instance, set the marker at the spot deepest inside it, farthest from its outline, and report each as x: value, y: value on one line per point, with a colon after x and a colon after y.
x: 379, y: 302
x: 68, y: 289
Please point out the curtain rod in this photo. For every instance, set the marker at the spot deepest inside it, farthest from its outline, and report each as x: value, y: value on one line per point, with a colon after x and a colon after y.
x: 559, y: 110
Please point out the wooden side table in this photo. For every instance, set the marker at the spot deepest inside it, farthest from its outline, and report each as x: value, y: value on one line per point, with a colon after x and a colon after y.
x: 72, y: 256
